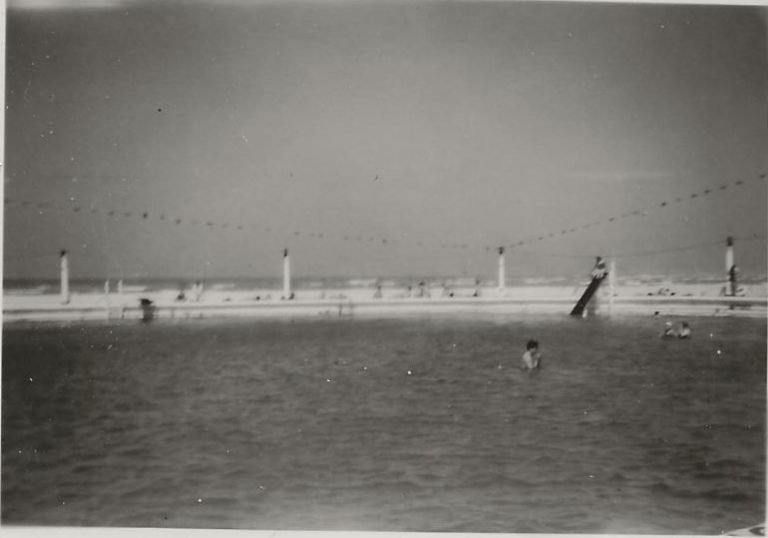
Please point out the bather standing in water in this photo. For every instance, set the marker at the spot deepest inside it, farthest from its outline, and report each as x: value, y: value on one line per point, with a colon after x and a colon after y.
x: 531, y: 357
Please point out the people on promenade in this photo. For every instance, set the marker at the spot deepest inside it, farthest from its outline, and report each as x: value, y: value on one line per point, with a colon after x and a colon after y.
x: 531, y: 357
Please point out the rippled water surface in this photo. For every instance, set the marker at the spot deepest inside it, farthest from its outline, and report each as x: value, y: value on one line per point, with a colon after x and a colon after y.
x: 415, y: 424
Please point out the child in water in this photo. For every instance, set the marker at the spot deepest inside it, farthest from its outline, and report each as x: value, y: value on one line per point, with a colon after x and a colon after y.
x: 669, y: 331
x: 672, y: 332
x: 531, y: 357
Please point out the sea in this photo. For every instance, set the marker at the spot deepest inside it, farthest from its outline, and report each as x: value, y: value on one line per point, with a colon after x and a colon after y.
x: 423, y: 423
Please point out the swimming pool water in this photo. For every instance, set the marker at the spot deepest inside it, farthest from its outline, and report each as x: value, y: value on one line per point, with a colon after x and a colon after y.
x: 416, y: 424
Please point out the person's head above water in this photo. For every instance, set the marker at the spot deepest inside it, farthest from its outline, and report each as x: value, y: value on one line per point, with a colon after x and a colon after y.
x: 532, y: 344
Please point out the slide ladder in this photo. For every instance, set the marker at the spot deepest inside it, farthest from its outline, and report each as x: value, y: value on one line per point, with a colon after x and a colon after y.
x: 578, y: 310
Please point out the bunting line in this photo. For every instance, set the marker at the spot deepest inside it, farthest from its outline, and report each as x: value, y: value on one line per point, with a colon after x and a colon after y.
x: 635, y: 213
x: 181, y: 221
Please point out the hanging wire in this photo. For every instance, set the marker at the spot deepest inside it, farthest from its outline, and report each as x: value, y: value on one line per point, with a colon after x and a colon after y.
x: 126, y: 214
x: 637, y: 212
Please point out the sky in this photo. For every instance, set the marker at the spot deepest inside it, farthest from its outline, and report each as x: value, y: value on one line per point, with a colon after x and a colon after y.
x: 381, y: 138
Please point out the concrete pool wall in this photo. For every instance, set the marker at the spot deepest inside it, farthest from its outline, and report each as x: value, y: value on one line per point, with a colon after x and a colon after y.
x: 263, y: 304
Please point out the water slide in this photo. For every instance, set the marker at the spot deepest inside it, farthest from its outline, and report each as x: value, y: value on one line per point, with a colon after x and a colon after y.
x: 578, y: 310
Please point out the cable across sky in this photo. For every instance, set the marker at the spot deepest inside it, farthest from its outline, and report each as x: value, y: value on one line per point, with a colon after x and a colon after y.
x: 133, y: 214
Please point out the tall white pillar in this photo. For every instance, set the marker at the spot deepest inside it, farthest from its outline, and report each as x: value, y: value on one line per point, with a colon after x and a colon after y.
x: 106, y: 298
x: 730, y: 267
x: 286, y: 275
x: 611, y: 285
x: 64, y: 278
x: 502, y: 275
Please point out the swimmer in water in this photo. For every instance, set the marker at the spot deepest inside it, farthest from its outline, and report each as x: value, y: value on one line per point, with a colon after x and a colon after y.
x: 669, y: 331
x: 531, y: 357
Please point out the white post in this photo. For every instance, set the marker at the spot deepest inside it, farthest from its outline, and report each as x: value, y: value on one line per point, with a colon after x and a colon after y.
x: 106, y: 297
x: 502, y: 276
x: 64, y: 278
x: 120, y: 302
x: 286, y: 275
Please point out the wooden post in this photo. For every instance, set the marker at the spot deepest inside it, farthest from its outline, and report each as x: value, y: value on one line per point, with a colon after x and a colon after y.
x: 64, y: 277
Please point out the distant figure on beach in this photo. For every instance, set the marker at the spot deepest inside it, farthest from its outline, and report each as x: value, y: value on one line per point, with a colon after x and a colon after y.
x: 599, y: 271
x: 197, y: 291
x: 147, y: 309
x: 531, y: 357
x: 733, y: 275
x: 446, y: 291
x: 685, y: 330
x: 377, y: 293
x: 423, y: 292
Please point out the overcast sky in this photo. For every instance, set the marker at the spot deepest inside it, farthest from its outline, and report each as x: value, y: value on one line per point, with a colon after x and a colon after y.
x: 381, y: 138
